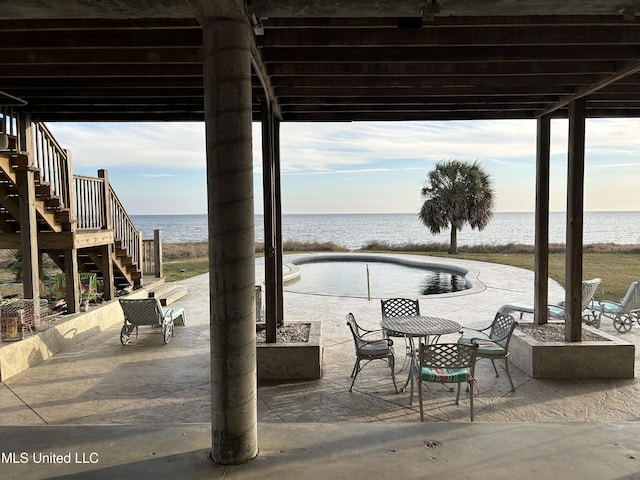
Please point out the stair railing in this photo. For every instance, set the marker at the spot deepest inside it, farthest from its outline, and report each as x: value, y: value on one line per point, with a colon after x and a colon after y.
x: 52, y: 161
x: 124, y: 229
x: 96, y: 204
x: 90, y: 203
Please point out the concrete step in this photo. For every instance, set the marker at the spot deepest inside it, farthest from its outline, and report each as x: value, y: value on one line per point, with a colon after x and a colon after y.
x: 168, y: 293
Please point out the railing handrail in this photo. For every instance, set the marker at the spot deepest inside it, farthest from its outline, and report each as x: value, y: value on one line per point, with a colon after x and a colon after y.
x: 94, y: 198
x: 124, y: 229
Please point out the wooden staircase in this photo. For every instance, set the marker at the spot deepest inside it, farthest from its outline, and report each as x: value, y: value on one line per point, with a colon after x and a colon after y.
x: 62, y: 212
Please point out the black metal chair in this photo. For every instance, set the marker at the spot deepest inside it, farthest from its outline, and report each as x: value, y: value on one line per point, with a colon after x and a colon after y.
x: 400, y: 307
x: 369, y: 350
x: 446, y: 363
x: 493, y: 341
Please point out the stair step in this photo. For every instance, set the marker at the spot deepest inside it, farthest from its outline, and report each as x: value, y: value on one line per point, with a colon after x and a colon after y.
x: 168, y: 293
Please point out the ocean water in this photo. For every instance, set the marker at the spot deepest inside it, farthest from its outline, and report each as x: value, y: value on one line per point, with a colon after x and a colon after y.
x: 355, y: 230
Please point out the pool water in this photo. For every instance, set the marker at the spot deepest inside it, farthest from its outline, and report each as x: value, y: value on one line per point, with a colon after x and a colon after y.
x: 386, y: 279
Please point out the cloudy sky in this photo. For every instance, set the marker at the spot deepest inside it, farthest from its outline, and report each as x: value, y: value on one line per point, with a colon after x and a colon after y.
x: 159, y: 168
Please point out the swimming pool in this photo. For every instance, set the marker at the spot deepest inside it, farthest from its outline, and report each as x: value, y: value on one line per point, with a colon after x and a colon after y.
x: 375, y: 276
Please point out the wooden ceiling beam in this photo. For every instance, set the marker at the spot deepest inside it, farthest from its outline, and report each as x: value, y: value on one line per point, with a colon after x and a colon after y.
x: 456, y: 35
x: 544, y: 81
x: 486, y: 21
x: 425, y: 68
x: 91, y: 56
x: 447, y: 54
x: 80, y: 71
x: 426, y: 91
x: 629, y: 70
x: 106, y: 38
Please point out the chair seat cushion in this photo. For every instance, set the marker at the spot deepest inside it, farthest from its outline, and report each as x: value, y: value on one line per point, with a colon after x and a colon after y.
x: 609, y: 307
x: 374, y: 347
x: 485, y: 347
x: 446, y: 375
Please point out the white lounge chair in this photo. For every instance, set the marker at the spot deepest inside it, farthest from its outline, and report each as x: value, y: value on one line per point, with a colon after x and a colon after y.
x: 148, y: 312
x: 622, y: 313
x: 556, y: 311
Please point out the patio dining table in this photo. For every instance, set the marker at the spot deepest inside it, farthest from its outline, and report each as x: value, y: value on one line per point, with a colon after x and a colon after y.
x: 420, y: 326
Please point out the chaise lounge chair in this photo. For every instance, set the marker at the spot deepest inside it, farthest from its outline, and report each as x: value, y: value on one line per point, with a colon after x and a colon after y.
x: 622, y: 313
x: 148, y: 312
x: 556, y: 311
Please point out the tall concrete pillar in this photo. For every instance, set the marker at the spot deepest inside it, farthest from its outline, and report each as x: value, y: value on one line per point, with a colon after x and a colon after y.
x: 227, y: 71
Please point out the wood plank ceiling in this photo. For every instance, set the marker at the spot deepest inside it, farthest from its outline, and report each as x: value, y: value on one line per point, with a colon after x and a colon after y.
x: 414, y: 60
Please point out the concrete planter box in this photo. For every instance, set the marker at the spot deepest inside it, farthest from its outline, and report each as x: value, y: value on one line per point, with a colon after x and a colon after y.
x: 610, y: 358
x: 291, y: 361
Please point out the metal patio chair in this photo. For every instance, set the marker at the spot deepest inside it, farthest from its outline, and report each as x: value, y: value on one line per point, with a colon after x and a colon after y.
x: 446, y: 363
x: 369, y: 350
x: 493, y: 341
x: 400, y: 307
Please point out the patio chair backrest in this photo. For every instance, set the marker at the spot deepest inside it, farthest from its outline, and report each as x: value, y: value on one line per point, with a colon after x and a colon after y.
x: 589, y: 288
x: 142, y: 311
x: 448, y: 355
x: 501, y: 329
x: 631, y: 300
x: 399, y: 307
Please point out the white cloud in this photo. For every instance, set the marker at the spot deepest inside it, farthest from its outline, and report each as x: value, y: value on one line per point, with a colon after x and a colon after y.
x: 151, y: 145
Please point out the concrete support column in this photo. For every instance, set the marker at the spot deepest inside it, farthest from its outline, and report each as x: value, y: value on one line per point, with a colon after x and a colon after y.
x: 541, y: 286
x: 227, y: 39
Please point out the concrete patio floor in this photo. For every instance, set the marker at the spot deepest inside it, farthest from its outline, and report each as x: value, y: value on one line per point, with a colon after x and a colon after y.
x: 144, y: 410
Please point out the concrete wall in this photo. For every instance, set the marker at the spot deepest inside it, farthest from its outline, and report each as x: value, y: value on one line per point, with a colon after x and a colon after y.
x: 292, y: 361
x: 16, y: 357
x: 610, y: 358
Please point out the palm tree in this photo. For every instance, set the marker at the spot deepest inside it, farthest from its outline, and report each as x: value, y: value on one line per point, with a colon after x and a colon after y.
x: 456, y: 193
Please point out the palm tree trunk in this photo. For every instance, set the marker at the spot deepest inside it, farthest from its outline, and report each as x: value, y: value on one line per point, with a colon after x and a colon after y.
x: 453, y: 244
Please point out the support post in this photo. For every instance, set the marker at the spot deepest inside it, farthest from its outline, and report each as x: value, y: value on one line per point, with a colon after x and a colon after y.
x: 107, y: 251
x: 28, y: 233
x: 575, y: 214
x: 157, y: 253
x: 541, y: 279
x: 72, y: 278
x: 227, y: 38
x: 278, y: 219
x: 26, y: 185
x: 271, y: 246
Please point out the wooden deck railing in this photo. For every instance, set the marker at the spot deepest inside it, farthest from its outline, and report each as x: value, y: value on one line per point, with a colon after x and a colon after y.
x: 124, y: 230
x: 96, y: 204
x: 52, y: 161
x: 91, y: 201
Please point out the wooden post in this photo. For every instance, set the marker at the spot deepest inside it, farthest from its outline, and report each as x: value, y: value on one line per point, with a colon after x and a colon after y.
x: 157, y: 253
x: 575, y: 211
x: 72, y: 278
x: 26, y: 186
x: 278, y: 219
x: 107, y: 251
x: 28, y: 233
x: 270, y: 231
x: 541, y: 282
x: 108, y: 281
